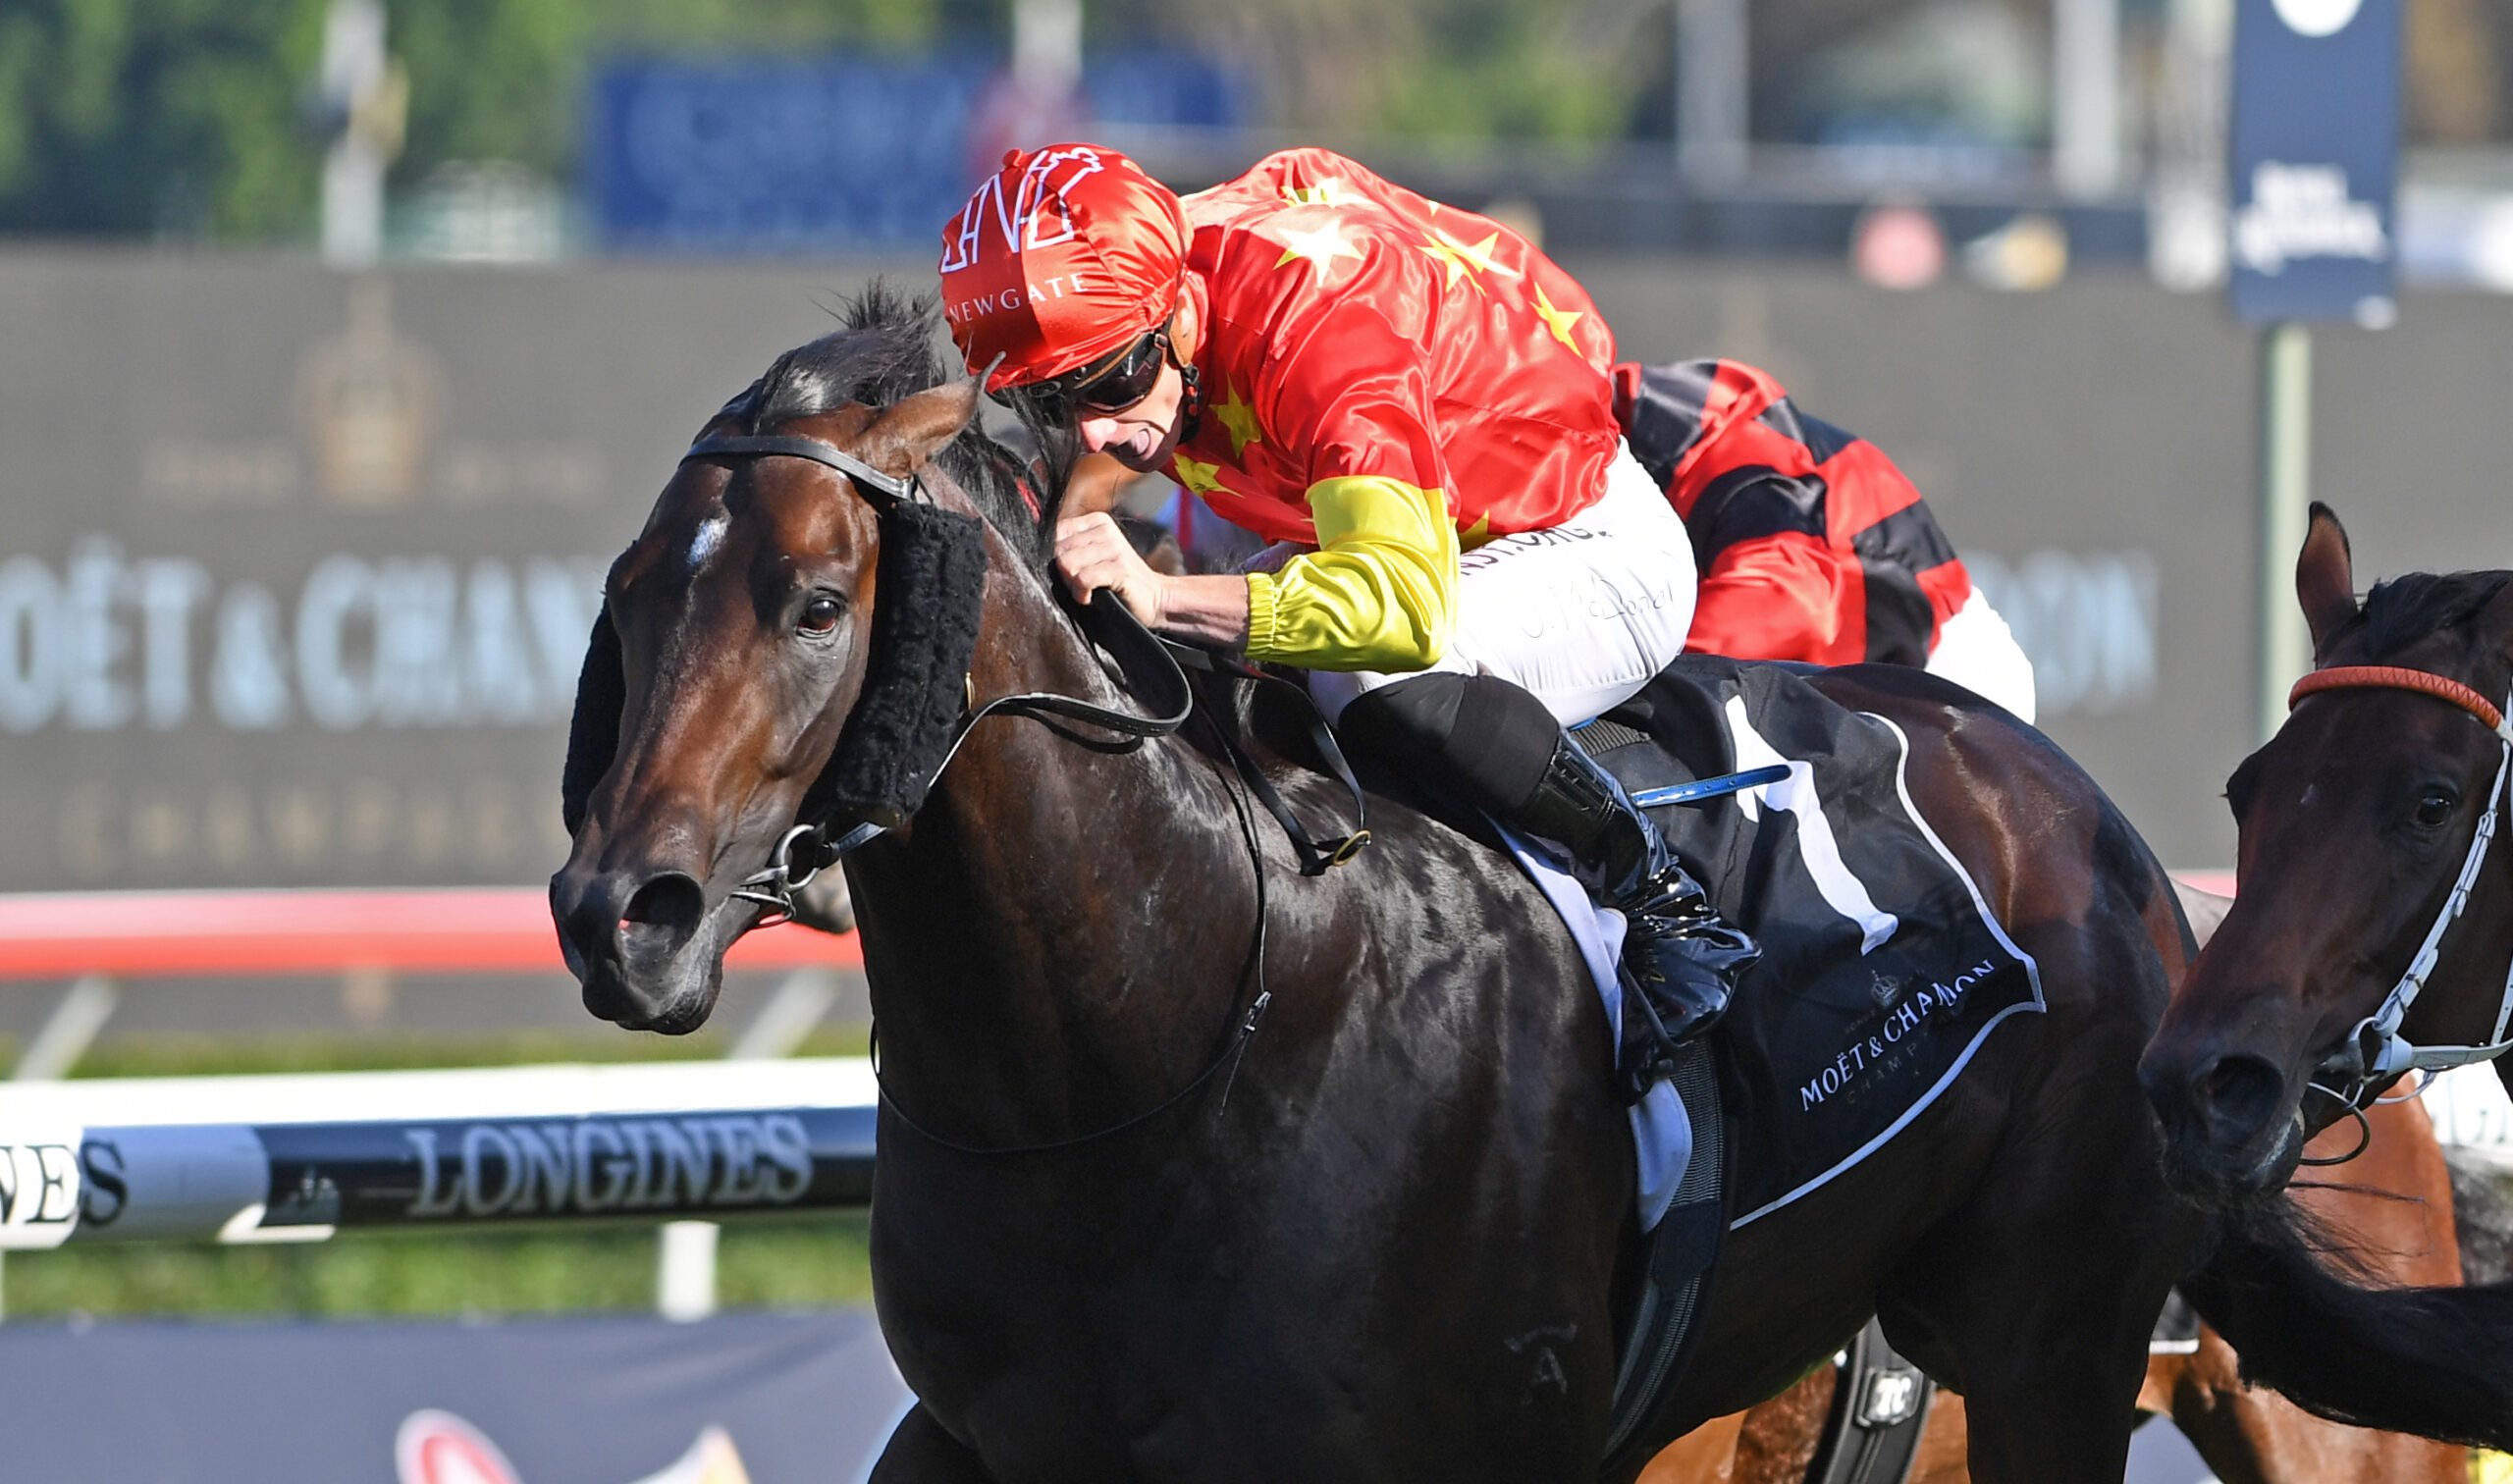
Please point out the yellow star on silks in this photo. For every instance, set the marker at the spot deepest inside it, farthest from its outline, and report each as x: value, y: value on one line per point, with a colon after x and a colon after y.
x: 1322, y: 246
x: 1561, y: 320
x: 1198, y: 478
x: 1239, y: 418
x: 1464, y: 259
x: 1326, y: 193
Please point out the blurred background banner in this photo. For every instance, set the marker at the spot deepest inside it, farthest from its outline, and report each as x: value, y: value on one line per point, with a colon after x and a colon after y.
x: 761, y: 156
x: 2316, y: 159
x: 296, y: 565
x: 764, y: 156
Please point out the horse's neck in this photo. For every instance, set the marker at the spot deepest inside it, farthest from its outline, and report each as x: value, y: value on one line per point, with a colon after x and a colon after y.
x: 1055, y: 939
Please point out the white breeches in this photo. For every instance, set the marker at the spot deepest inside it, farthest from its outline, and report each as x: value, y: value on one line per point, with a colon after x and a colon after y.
x: 1976, y: 651
x: 1580, y: 614
x: 1583, y: 614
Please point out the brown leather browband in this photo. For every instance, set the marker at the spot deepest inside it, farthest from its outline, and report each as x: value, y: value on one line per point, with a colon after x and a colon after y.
x: 2396, y: 678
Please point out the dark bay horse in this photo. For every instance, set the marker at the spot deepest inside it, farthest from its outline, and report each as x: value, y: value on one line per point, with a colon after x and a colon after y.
x: 2374, y: 931
x: 1127, y: 1227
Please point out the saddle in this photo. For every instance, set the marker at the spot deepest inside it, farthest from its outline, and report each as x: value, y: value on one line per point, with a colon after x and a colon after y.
x: 1883, y: 966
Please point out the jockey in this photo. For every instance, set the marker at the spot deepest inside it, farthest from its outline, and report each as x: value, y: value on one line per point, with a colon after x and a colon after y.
x: 1416, y: 406
x: 1812, y: 546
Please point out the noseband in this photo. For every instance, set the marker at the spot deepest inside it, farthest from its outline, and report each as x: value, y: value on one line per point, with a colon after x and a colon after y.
x: 2376, y: 1051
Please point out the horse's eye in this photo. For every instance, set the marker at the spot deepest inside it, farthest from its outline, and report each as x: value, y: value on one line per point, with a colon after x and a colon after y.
x: 2433, y: 806
x: 820, y: 613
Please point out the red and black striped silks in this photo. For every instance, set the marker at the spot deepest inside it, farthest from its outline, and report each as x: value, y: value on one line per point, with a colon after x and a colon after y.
x: 1811, y: 543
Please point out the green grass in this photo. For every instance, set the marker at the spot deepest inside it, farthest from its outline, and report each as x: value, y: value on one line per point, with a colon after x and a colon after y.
x: 763, y: 1262
x: 803, y: 1260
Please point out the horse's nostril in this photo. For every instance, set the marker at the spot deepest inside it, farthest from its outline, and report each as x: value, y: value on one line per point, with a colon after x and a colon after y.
x: 2239, y: 1095
x: 664, y: 913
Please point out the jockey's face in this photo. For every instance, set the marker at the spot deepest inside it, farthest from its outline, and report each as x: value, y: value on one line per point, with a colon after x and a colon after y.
x: 1144, y: 436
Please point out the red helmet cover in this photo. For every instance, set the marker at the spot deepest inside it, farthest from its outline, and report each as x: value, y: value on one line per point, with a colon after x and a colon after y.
x: 1066, y: 255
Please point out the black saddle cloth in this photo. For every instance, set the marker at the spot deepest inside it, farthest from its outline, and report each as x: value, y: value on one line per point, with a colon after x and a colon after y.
x: 1883, y: 968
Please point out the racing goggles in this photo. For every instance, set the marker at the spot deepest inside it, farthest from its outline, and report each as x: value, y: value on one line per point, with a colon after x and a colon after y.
x: 1110, y: 385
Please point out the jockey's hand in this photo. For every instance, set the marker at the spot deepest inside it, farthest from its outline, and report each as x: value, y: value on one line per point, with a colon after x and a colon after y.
x: 1092, y: 553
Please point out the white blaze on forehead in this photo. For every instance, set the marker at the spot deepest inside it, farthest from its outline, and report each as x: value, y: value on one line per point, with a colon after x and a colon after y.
x: 711, y: 535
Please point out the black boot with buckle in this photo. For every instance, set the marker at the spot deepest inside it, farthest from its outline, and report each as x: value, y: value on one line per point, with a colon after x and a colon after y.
x: 1681, y: 962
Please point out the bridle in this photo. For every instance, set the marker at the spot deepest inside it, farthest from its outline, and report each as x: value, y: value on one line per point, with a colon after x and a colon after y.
x: 2375, y: 1051
x: 808, y: 848
x: 1135, y: 649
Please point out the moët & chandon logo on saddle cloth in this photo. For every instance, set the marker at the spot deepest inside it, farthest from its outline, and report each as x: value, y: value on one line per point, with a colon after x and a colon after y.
x: 1883, y: 966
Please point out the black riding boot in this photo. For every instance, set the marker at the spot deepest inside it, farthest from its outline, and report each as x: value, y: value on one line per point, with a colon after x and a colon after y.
x: 1489, y: 744
x: 1678, y: 956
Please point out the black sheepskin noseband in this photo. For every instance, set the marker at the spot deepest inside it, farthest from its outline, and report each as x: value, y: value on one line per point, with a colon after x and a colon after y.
x: 927, y: 592
x: 593, y: 733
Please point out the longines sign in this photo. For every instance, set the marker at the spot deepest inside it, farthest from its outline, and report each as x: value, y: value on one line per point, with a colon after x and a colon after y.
x: 301, y: 1182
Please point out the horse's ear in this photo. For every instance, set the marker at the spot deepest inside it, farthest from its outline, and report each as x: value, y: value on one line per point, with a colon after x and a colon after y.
x: 2326, y: 578
x: 913, y: 429
x: 2495, y: 622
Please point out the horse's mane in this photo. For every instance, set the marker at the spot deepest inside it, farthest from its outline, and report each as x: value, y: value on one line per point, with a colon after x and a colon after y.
x: 2407, y: 609
x: 886, y: 352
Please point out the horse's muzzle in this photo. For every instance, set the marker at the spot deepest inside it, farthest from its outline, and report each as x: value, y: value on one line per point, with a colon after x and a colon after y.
x: 2230, y: 1132
x: 646, y: 950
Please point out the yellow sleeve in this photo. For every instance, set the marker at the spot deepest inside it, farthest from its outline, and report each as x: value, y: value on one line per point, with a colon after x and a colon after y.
x: 1378, y: 594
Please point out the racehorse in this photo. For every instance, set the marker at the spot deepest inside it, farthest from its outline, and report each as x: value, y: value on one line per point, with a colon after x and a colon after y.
x: 2372, y: 934
x: 1192, y: 1165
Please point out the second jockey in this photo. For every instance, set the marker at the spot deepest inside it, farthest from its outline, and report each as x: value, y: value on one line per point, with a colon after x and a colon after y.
x: 1416, y: 407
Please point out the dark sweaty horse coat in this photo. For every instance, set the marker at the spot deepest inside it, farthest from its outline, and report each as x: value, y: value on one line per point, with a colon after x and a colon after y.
x: 1389, y: 1240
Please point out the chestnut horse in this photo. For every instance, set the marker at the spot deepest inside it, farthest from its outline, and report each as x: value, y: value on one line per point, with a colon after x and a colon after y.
x: 2392, y: 1211
x: 2393, y: 1207
x: 1193, y: 1166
